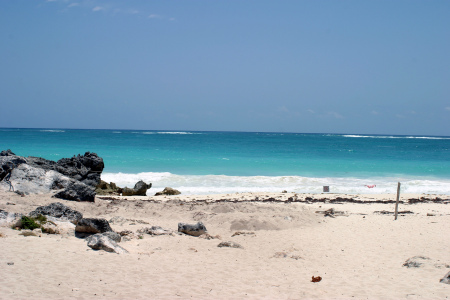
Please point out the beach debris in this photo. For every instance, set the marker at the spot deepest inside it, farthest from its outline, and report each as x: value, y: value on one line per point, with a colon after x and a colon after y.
x: 283, y: 254
x: 10, y: 263
x: 58, y: 210
x: 155, y: 230
x: 127, y: 235
x: 431, y: 215
x: 385, y: 212
x: 230, y: 245
x: 192, y: 229
x: 92, y: 225
x: 207, y: 236
x: 168, y: 191
x: 316, y: 279
x: 252, y: 233
x: 34, y: 232
x: 446, y: 278
x: 331, y: 213
x: 105, y: 243
x: 140, y: 189
x: 416, y: 261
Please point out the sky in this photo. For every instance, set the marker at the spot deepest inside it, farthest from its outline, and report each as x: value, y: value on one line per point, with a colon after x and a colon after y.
x: 367, y: 67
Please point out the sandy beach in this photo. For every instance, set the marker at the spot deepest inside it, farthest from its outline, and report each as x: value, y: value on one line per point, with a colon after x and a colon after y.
x: 358, y: 252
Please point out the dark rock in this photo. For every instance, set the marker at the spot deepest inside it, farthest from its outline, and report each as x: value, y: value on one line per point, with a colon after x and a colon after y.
x: 92, y: 225
x: 7, y: 153
x: 77, y: 191
x: 168, y: 192
x: 194, y: 230
x: 86, y: 168
x: 58, y: 210
x: 446, y: 278
x: 102, y: 242
x: 140, y: 189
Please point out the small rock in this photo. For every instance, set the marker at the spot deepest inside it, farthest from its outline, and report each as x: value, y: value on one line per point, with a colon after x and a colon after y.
x: 230, y: 245
x: 103, y: 242
x: 194, y: 230
x: 93, y: 225
x: 416, y: 261
x: 168, y: 191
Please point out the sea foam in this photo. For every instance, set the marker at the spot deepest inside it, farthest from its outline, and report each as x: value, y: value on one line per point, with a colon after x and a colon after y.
x: 222, y: 184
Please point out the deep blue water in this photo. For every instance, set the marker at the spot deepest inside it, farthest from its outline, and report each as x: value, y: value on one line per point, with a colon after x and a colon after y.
x: 218, y: 161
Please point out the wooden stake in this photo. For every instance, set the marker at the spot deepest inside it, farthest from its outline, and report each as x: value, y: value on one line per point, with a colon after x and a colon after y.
x: 398, y: 199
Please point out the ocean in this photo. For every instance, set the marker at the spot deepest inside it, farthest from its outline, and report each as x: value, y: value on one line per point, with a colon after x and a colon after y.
x: 203, y: 162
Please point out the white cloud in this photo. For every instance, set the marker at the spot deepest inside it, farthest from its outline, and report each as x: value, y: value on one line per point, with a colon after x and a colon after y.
x: 154, y: 16
x: 374, y: 112
x: 172, y: 19
x: 447, y: 108
x: 311, y: 111
x: 97, y: 8
x: 73, y: 4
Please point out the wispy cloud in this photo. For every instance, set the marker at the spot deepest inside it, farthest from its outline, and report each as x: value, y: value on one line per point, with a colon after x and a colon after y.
x: 447, y: 108
x: 98, y: 8
x: 154, y: 16
x: 374, y: 112
x: 108, y: 7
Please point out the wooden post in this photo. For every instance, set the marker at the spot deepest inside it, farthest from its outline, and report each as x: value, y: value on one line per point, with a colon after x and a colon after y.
x: 398, y: 199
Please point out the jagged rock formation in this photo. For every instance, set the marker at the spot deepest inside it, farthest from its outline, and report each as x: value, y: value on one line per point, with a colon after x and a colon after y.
x: 77, y: 176
x: 104, y: 188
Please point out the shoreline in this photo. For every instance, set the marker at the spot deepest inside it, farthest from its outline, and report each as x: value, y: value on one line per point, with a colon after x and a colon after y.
x: 307, y: 198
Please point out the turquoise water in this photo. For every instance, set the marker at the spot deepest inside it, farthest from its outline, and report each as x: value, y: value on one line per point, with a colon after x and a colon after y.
x: 224, y: 162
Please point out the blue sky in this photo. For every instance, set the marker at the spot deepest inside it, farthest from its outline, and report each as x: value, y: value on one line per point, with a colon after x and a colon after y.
x: 297, y: 66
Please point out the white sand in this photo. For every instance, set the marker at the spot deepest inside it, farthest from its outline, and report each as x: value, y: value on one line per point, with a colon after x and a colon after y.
x: 358, y: 256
